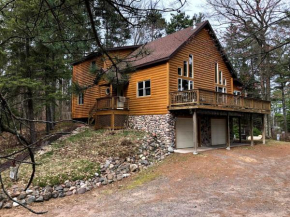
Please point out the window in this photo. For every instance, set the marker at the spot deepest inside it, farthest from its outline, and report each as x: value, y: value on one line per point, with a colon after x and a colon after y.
x: 144, y: 88
x: 190, y: 87
x: 108, y: 91
x: 81, y: 99
x: 220, y: 77
x: 190, y: 65
x: 221, y: 89
x: 179, y: 71
x: 225, y: 82
x: 179, y: 84
x: 185, y: 68
x: 216, y: 72
x: 93, y: 67
x: 184, y: 84
x: 237, y: 93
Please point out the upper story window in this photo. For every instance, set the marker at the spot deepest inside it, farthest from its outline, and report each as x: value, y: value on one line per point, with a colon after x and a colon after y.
x: 81, y: 99
x: 221, y: 89
x: 190, y: 65
x: 220, y: 77
x: 144, y: 88
x: 216, y: 72
x: 185, y: 68
x: 93, y: 67
x: 184, y: 84
x: 179, y: 71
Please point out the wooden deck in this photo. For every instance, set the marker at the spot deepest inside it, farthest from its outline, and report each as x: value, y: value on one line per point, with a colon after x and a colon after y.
x: 109, y: 113
x: 205, y: 99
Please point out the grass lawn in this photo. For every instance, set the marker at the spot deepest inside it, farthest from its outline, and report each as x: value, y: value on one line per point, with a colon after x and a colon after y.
x: 78, y: 156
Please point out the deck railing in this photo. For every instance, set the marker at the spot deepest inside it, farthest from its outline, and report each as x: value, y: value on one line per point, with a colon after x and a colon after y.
x: 106, y: 103
x: 114, y: 119
x: 208, y: 98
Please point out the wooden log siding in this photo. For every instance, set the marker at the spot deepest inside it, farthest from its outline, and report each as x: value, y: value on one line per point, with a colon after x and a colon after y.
x: 157, y: 102
x: 205, y: 55
x: 116, y: 55
x: 214, y: 100
x: 82, y: 75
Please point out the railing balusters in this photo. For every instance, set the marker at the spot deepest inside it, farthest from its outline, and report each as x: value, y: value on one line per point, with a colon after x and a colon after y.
x: 206, y: 97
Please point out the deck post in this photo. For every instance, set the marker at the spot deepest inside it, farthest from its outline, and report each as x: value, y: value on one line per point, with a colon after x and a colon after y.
x: 240, y: 131
x: 264, y: 128
x: 113, y: 121
x: 251, y: 129
x: 195, y: 133
x: 228, y: 132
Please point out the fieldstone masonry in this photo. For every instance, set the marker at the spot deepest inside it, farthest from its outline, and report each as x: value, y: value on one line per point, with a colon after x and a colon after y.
x: 161, y: 125
x: 205, y: 130
x: 150, y: 151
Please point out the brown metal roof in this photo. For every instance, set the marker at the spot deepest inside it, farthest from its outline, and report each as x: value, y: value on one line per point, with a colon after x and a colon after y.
x: 163, y: 49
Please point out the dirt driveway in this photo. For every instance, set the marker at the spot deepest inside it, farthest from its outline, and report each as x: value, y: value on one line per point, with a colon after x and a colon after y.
x: 242, y: 182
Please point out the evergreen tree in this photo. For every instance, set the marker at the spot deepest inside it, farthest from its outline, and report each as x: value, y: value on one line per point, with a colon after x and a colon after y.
x: 181, y: 21
x: 116, y: 31
x: 151, y: 27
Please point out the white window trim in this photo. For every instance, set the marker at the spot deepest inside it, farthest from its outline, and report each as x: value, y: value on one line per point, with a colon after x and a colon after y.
x: 220, y: 81
x: 144, y: 89
x: 186, y: 69
x: 224, y: 89
x: 217, y: 72
x: 237, y: 91
x: 192, y: 66
x: 189, y: 82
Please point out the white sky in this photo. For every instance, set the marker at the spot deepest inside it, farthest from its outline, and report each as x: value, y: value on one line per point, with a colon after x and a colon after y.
x: 191, y: 7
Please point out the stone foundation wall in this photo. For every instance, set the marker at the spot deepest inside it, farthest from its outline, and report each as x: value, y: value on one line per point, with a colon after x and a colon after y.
x: 205, y: 127
x: 162, y: 125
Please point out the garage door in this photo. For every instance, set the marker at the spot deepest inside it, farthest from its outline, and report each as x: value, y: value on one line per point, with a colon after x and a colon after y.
x: 218, y: 132
x: 184, y: 137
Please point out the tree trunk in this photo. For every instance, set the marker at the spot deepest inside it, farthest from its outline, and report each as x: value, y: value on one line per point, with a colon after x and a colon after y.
x: 48, y: 117
x: 30, y: 104
x: 284, y: 110
x: 30, y: 109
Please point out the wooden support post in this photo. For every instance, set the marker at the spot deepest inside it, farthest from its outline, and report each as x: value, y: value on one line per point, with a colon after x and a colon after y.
x: 112, y: 102
x: 195, y: 132
x: 264, y: 128
x: 197, y: 97
x: 251, y: 129
x: 228, y: 132
x: 113, y: 121
x: 240, y: 131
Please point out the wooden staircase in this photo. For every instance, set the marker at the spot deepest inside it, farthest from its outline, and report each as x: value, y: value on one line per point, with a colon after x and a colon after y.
x: 92, y: 111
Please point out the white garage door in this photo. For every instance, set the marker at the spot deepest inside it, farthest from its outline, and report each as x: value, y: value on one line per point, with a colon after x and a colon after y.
x: 184, y: 137
x: 218, y: 131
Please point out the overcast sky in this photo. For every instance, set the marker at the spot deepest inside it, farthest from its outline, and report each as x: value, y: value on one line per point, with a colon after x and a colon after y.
x: 192, y: 7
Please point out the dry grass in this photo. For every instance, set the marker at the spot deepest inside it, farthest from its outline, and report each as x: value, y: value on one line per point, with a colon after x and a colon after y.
x: 79, y: 156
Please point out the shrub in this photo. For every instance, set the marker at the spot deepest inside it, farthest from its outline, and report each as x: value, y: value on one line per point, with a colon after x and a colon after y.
x: 256, y: 132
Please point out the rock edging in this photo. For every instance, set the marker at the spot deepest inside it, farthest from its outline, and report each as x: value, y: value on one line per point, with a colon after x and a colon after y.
x: 151, y: 149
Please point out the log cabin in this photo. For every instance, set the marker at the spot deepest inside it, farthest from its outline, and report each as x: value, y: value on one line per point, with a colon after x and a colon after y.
x: 184, y: 89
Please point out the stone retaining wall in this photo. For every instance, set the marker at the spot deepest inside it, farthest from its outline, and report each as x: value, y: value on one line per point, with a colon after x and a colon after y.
x: 161, y: 125
x: 112, y: 169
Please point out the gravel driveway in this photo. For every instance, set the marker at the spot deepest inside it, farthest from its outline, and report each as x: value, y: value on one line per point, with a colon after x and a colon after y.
x: 242, y: 182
